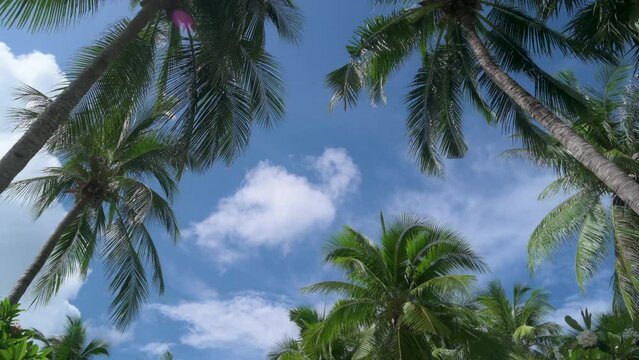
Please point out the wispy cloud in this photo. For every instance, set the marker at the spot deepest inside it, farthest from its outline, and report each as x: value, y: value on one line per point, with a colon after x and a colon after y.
x: 245, y: 322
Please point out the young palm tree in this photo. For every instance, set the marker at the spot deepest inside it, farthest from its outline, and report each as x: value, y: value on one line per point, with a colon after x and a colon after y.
x: 308, y: 320
x: 219, y: 74
x: 467, y: 49
x: 521, y: 320
x: 72, y: 345
x: 594, y: 216
x: 406, y: 294
x: 110, y: 170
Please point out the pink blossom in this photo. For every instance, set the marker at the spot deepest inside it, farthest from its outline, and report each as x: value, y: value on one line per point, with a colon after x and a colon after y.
x: 182, y: 19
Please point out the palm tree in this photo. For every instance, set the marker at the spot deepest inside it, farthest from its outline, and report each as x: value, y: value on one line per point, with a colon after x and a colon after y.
x: 110, y: 171
x: 406, y: 294
x: 467, y: 49
x: 609, y: 26
x: 520, y: 320
x: 594, y: 216
x: 167, y: 356
x: 218, y: 74
x: 307, y: 320
x: 72, y: 345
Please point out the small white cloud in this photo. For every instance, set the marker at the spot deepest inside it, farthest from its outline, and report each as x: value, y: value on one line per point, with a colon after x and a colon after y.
x: 109, y: 334
x: 276, y: 208
x: 156, y: 348
x: 573, y: 305
x: 51, y: 319
x: 249, y: 322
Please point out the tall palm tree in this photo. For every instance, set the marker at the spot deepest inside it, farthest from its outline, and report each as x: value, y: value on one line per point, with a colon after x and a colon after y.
x: 594, y: 216
x: 468, y: 50
x: 111, y: 169
x: 208, y: 55
x: 406, y: 294
x: 307, y: 320
x: 520, y: 321
x: 72, y: 344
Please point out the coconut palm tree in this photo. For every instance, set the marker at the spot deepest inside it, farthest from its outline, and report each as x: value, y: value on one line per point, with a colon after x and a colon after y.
x: 470, y: 49
x: 610, y: 26
x: 520, y: 320
x: 208, y: 56
x: 307, y: 320
x: 72, y: 344
x: 111, y: 173
x: 406, y: 294
x: 594, y: 216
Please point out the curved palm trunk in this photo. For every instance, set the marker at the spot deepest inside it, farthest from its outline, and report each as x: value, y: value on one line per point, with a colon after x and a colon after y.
x: 610, y: 174
x: 32, y: 271
x: 55, y: 114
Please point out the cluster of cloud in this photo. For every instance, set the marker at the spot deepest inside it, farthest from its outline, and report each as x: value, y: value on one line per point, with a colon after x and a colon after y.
x: 275, y: 208
x: 250, y: 321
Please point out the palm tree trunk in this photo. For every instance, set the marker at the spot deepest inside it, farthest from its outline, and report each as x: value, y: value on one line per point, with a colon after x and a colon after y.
x: 55, y: 114
x: 610, y: 174
x: 32, y: 271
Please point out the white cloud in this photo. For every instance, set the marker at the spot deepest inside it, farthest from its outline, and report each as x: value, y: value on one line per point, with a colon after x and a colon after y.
x: 21, y: 237
x: 52, y: 318
x: 276, y: 208
x: 572, y: 306
x: 496, y: 210
x: 250, y: 322
x: 156, y: 348
x: 109, y: 334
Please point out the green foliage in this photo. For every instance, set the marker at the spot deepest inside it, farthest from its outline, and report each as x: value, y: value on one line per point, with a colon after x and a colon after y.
x: 406, y: 296
x: 593, y: 215
x: 17, y: 343
x: 219, y: 79
x: 610, y: 336
x: 514, y: 33
x: 520, y: 320
x: 72, y: 344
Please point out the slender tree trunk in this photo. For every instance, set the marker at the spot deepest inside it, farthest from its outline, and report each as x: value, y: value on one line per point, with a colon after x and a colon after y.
x: 32, y: 271
x: 55, y: 114
x: 610, y: 174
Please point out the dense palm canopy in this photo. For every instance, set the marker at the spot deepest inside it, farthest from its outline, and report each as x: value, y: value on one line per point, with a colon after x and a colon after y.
x: 117, y: 174
x: 520, y: 320
x: 219, y: 77
x: 593, y: 215
x: 407, y: 294
x: 72, y: 344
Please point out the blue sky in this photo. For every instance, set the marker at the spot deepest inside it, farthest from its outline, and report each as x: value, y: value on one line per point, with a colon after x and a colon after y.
x: 253, y: 233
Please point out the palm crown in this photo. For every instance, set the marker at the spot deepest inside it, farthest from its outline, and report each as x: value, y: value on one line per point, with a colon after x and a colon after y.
x: 521, y: 320
x: 110, y: 171
x: 407, y: 293
x: 593, y: 215
x: 72, y: 344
